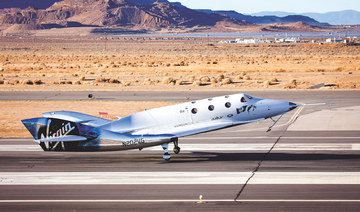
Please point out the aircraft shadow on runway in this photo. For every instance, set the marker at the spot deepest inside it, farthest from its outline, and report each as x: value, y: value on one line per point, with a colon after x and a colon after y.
x: 74, y: 159
x: 214, y: 156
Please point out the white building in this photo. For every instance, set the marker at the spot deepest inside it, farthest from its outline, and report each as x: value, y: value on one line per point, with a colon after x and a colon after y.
x: 334, y: 40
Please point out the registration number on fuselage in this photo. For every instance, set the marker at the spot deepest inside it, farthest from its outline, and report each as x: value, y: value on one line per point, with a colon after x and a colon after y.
x: 133, y: 142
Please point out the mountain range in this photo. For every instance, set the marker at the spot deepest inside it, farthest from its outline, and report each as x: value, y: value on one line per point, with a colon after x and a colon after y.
x: 268, y: 19
x: 148, y: 15
x: 126, y: 13
x: 346, y: 17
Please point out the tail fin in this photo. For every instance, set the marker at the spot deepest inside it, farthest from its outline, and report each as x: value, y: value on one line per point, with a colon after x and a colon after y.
x: 41, y: 128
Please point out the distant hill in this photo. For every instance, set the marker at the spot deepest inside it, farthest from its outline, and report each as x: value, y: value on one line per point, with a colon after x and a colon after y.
x: 44, y: 4
x: 346, y: 17
x: 139, y: 14
x: 267, y: 19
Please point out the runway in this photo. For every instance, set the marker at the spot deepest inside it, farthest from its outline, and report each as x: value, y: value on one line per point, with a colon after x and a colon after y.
x: 297, y: 167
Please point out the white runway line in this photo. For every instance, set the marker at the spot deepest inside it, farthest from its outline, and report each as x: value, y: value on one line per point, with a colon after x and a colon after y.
x: 223, y: 147
x: 120, y: 178
x: 176, y: 178
x: 174, y: 201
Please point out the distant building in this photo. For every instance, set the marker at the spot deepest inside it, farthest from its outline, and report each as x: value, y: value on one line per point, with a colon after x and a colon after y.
x: 334, y: 40
x: 227, y: 41
x: 287, y: 40
x: 247, y: 41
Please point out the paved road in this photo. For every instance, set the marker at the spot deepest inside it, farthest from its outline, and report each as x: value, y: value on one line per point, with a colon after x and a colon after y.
x: 281, y: 170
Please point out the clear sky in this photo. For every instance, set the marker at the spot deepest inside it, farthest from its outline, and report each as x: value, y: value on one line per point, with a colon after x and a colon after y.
x: 253, y: 6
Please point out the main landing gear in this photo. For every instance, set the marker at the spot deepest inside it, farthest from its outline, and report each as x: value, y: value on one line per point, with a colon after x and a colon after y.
x: 176, y: 145
x: 165, y: 147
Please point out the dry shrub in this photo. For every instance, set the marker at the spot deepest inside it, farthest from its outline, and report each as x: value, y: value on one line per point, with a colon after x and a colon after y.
x: 274, y: 80
x: 97, y: 80
x: 38, y: 82
x: 179, y: 82
x: 239, y: 77
x: 293, y: 81
x: 220, y: 77
x: 246, y: 77
x: 127, y: 83
x: 82, y: 78
x: 77, y: 82
x: 148, y: 82
x: 226, y: 81
x: 68, y: 82
x: 267, y: 83
x: 114, y: 81
x: 16, y: 82
x: 213, y: 80
x: 27, y: 82
x: 191, y: 79
x: 1, y: 82
x: 196, y: 83
x: 167, y: 80
x: 205, y: 79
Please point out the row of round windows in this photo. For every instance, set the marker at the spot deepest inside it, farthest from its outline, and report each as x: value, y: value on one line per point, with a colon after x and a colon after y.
x: 210, y: 108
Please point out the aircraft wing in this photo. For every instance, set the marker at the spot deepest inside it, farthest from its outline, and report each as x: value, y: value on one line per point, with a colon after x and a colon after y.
x: 77, y: 118
x: 66, y: 138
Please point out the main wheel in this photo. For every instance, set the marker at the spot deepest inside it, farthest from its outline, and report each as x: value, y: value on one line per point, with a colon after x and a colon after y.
x: 176, y: 150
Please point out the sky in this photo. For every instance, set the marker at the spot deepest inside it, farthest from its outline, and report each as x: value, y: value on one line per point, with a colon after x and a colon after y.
x: 253, y: 6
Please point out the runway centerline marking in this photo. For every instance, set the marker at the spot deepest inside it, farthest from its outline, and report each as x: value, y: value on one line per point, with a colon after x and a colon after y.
x: 171, y: 178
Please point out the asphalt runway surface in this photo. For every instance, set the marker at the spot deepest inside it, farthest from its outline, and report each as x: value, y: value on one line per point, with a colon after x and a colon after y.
x: 243, y: 168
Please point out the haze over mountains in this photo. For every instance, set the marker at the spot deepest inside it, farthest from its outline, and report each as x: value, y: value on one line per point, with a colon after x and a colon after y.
x: 150, y: 15
x: 346, y: 17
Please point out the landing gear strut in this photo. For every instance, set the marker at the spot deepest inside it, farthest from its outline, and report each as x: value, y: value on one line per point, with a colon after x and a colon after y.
x: 166, y: 155
x: 176, y: 146
x: 274, y: 123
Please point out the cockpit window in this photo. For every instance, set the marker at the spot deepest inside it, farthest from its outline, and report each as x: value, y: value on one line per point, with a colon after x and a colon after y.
x: 243, y: 99
x: 227, y: 104
x: 194, y: 110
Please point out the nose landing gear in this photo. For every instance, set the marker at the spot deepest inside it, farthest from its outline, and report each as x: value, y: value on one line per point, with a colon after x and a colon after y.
x: 165, y: 147
x: 166, y: 155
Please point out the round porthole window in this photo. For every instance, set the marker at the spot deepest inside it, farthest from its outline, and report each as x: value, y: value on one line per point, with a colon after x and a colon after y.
x: 211, y: 107
x: 227, y: 104
x: 194, y: 111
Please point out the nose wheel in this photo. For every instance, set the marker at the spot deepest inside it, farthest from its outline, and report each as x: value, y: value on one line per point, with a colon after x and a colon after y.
x: 166, y: 155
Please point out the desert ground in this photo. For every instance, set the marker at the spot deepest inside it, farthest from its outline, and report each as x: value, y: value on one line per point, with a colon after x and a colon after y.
x: 144, y: 63
x: 126, y: 63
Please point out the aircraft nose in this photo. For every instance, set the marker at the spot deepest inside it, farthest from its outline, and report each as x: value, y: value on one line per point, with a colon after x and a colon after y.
x: 292, y: 106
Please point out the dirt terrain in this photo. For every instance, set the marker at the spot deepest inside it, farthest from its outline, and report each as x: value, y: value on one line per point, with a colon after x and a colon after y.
x: 155, y: 63
x: 159, y: 63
